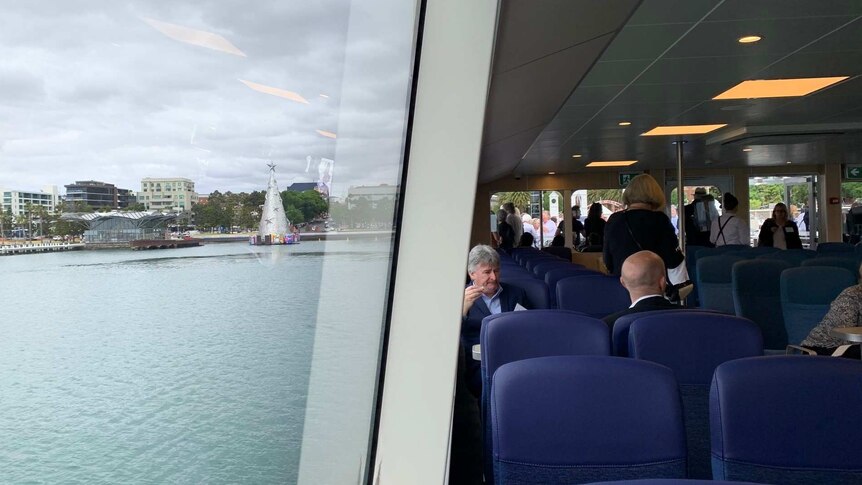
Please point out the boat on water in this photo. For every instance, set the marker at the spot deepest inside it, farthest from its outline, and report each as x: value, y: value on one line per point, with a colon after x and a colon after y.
x: 274, y: 227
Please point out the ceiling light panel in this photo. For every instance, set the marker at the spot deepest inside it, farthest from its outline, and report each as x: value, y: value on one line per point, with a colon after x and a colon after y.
x: 612, y: 163
x: 778, y: 88
x: 682, y: 130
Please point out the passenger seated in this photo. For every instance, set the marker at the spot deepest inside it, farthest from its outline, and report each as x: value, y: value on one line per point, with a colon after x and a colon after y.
x: 643, y: 275
x: 484, y: 296
x: 594, y: 244
x: 845, y: 311
x: 526, y: 241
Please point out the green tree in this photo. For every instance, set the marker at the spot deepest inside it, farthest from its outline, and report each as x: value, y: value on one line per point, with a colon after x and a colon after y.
x: 851, y: 191
x: 762, y: 195
x: 520, y: 199
x: 135, y: 207
x: 308, y: 205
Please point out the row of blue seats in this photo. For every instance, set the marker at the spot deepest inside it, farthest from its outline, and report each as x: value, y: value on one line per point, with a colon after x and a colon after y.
x: 546, y: 428
x: 554, y: 283
x: 848, y: 255
x: 785, y: 301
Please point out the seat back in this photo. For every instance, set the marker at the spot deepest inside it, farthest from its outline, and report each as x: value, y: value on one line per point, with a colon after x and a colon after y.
x: 787, y: 419
x: 793, y: 256
x: 835, y: 247
x: 693, y: 299
x: 727, y: 248
x: 754, y: 252
x: 531, y: 262
x: 512, y: 336
x: 595, y: 295
x: 559, y: 251
x: 536, y: 290
x: 620, y: 330
x: 848, y: 262
x: 806, y: 293
x: 540, y: 269
x: 573, y: 420
x: 513, y: 270
x: 757, y: 297
x: 555, y: 275
x: 693, y: 344
x: 714, y: 278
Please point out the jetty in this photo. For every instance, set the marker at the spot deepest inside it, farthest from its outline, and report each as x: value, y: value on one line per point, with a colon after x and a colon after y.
x: 11, y: 249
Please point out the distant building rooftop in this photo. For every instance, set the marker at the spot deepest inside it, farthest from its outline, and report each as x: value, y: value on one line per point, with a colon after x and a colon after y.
x: 302, y: 186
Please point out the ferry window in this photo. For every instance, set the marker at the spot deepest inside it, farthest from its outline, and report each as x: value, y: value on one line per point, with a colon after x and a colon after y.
x: 797, y: 192
x: 212, y: 360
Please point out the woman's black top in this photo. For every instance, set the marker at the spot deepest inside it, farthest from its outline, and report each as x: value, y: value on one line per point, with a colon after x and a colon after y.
x: 791, y: 234
x: 594, y: 226
x: 507, y: 235
x: 646, y: 230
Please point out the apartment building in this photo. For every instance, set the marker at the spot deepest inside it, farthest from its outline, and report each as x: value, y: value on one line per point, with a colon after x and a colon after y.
x: 17, y: 201
x: 168, y: 194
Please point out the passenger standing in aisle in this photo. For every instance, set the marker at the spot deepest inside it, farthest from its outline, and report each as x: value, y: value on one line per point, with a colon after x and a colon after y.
x: 779, y: 231
x: 698, y: 218
x: 728, y: 228
x: 514, y: 221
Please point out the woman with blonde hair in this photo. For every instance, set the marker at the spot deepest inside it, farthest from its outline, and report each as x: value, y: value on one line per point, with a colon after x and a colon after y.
x: 643, y: 226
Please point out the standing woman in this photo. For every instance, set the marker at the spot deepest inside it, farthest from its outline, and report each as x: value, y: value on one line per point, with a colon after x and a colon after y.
x: 779, y: 231
x: 729, y: 228
x: 643, y: 226
x: 595, y: 224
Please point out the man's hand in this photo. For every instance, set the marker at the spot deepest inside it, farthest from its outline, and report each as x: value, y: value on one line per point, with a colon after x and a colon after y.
x: 471, y: 294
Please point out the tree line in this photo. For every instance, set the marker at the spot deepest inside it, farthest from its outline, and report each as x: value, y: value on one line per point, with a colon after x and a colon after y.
x: 243, y: 210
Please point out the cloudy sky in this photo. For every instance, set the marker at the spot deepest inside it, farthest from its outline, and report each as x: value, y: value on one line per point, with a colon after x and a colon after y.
x: 207, y: 90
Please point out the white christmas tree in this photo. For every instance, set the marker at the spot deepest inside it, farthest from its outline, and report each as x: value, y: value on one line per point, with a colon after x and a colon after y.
x: 273, y: 219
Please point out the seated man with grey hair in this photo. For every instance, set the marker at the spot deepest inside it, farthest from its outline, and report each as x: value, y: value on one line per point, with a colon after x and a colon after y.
x: 643, y: 275
x: 484, y: 296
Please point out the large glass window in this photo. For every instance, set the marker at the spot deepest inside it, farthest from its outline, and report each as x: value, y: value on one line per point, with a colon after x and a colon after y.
x: 223, y: 362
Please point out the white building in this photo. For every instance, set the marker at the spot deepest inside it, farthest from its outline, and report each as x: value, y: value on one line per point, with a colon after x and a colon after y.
x: 167, y: 194
x: 17, y: 200
x: 371, y: 193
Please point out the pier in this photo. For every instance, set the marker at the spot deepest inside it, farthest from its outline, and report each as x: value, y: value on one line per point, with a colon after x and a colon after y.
x: 38, y: 248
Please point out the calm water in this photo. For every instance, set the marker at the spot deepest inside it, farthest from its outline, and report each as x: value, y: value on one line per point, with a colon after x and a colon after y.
x: 187, y: 365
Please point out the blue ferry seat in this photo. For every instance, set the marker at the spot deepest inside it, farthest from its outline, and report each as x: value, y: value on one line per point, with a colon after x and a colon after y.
x: 596, y: 295
x: 757, y: 297
x: 536, y: 290
x: 620, y: 330
x: 531, y: 262
x: 512, y: 336
x: 541, y: 269
x: 692, y: 345
x: 553, y: 276
x: 787, y: 419
x: 561, y: 252
x: 806, y: 294
x: 672, y: 481
x: 835, y: 247
x: 793, y: 256
x: 715, y: 282
x: 849, y: 262
x: 577, y: 419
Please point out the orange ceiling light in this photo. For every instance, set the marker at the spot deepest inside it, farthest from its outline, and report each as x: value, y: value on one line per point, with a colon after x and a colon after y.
x: 749, y: 39
x: 682, y: 130
x: 778, y: 88
x: 612, y: 163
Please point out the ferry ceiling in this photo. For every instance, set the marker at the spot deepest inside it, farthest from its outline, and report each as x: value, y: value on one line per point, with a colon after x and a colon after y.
x: 569, y: 74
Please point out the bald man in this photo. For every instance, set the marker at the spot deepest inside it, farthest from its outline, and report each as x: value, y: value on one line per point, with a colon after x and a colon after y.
x: 643, y: 275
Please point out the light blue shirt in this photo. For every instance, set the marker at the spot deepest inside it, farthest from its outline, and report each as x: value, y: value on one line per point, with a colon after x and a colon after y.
x: 493, y: 302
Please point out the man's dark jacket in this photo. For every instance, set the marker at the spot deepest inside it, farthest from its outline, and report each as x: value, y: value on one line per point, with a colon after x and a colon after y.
x: 645, y: 305
x: 471, y: 325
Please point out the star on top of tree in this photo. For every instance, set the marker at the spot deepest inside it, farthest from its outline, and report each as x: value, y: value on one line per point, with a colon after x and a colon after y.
x: 271, y: 166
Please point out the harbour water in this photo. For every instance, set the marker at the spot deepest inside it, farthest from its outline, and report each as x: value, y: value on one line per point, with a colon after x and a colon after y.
x: 174, y: 366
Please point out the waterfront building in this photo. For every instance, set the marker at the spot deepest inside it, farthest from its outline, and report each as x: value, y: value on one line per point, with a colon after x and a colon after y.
x: 98, y: 194
x: 371, y: 193
x: 17, y: 201
x: 120, y: 228
x: 168, y: 194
